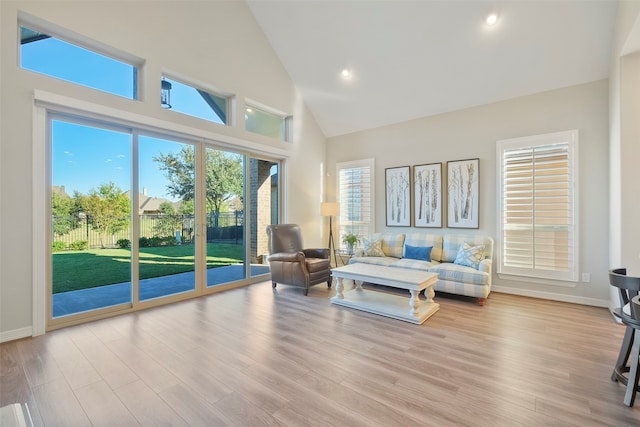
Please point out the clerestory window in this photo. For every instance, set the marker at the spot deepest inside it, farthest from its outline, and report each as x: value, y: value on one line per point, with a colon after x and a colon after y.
x: 190, y: 100
x: 258, y: 119
x: 42, y: 53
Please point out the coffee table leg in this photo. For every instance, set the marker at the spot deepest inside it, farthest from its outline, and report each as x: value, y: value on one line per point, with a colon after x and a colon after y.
x: 429, y: 293
x: 414, y: 302
x: 339, y: 288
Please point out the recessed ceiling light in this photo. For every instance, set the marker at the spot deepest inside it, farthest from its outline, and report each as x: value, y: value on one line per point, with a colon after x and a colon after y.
x: 492, y: 19
x: 249, y: 110
x: 346, y: 73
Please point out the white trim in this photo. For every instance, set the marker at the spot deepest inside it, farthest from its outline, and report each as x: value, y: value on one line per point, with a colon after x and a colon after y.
x: 76, y: 39
x: 39, y: 221
x: 537, y: 280
x: 250, y: 103
x: 65, y: 104
x: 16, y: 334
x: 595, y: 302
x: 284, y: 191
x: 134, y: 206
x: 196, y: 84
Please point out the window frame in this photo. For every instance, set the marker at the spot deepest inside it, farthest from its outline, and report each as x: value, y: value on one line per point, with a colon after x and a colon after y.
x: 82, y: 42
x: 343, y: 221
x: 287, y: 120
x: 172, y: 77
x: 557, y: 277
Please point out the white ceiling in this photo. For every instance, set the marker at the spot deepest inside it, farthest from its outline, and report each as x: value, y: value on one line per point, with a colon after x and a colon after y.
x: 413, y: 59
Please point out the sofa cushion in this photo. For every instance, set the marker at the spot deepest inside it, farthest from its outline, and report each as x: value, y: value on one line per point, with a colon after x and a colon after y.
x: 460, y: 273
x: 317, y: 264
x: 413, y: 264
x: 469, y: 256
x: 424, y: 239
x: 417, y: 252
x: 392, y: 244
x: 372, y: 248
x: 375, y: 260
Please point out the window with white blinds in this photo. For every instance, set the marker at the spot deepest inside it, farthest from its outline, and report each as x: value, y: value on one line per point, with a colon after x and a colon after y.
x: 537, y: 211
x: 355, y: 196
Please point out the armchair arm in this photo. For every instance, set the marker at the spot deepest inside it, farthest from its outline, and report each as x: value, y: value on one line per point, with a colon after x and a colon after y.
x: 287, y: 257
x: 289, y: 268
x: 317, y: 253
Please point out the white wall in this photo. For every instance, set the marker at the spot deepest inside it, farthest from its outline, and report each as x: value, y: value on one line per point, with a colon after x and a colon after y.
x: 624, y: 150
x: 625, y: 132
x: 216, y: 43
x: 473, y: 133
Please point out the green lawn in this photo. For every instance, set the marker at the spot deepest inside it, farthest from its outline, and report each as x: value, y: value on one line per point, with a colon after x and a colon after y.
x: 99, y: 267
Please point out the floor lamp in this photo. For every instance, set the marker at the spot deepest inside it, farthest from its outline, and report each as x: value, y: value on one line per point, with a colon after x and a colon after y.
x: 330, y: 209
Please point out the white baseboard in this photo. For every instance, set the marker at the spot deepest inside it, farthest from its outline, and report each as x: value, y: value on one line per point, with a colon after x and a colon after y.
x: 553, y: 296
x: 16, y: 334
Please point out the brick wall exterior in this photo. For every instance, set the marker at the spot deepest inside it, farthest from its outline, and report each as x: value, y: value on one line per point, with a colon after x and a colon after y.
x: 263, y: 205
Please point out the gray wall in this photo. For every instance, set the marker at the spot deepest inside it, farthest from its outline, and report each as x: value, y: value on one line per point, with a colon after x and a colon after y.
x: 473, y: 133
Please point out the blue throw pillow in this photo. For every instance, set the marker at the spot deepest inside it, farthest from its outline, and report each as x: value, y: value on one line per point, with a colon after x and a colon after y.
x: 422, y: 253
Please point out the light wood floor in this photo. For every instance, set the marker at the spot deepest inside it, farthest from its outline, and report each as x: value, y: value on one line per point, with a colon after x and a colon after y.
x: 252, y: 357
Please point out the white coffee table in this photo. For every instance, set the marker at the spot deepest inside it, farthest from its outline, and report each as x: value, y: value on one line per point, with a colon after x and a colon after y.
x: 410, y: 310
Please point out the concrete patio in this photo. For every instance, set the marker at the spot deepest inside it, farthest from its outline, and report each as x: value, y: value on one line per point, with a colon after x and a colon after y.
x: 73, y: 302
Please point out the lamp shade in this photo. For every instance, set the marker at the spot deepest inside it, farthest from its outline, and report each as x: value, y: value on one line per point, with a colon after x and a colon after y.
x: 329, y: 209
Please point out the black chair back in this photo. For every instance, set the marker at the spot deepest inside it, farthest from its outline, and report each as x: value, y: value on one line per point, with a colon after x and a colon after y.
x: 628, y: 287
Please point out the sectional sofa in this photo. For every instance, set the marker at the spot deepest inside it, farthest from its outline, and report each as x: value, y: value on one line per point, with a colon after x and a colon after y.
x: 463, y: 262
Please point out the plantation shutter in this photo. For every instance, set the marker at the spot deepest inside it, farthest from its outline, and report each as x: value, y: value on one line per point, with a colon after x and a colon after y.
x: 355, y: 196
x: 538, y: 215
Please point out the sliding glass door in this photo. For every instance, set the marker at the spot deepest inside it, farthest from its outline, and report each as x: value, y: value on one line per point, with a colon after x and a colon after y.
x: 90, y: 217
x: 224, y: 190
x: 166, y: 207
x: 140, y: 218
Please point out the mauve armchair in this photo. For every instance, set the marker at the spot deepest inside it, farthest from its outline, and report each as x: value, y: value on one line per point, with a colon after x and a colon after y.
x: 290, y: 264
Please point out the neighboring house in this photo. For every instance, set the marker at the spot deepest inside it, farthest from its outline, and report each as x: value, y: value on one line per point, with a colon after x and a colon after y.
x: 59, y: 189
x: 149, y: 205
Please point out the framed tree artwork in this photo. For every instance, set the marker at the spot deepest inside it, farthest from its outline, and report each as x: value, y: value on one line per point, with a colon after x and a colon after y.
x: 463, y: 193
x: 398, y: 196
x: 427, y: 195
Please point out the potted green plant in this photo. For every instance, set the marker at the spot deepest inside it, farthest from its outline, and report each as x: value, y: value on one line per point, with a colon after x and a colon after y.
x: 351, y: 240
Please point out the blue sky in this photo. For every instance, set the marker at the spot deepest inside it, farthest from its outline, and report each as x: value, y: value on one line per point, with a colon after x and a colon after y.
x: 84, y: 157
x: 68, y: 62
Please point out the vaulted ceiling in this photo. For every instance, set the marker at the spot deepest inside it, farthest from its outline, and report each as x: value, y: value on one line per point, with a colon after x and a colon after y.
x: 411, y: 59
